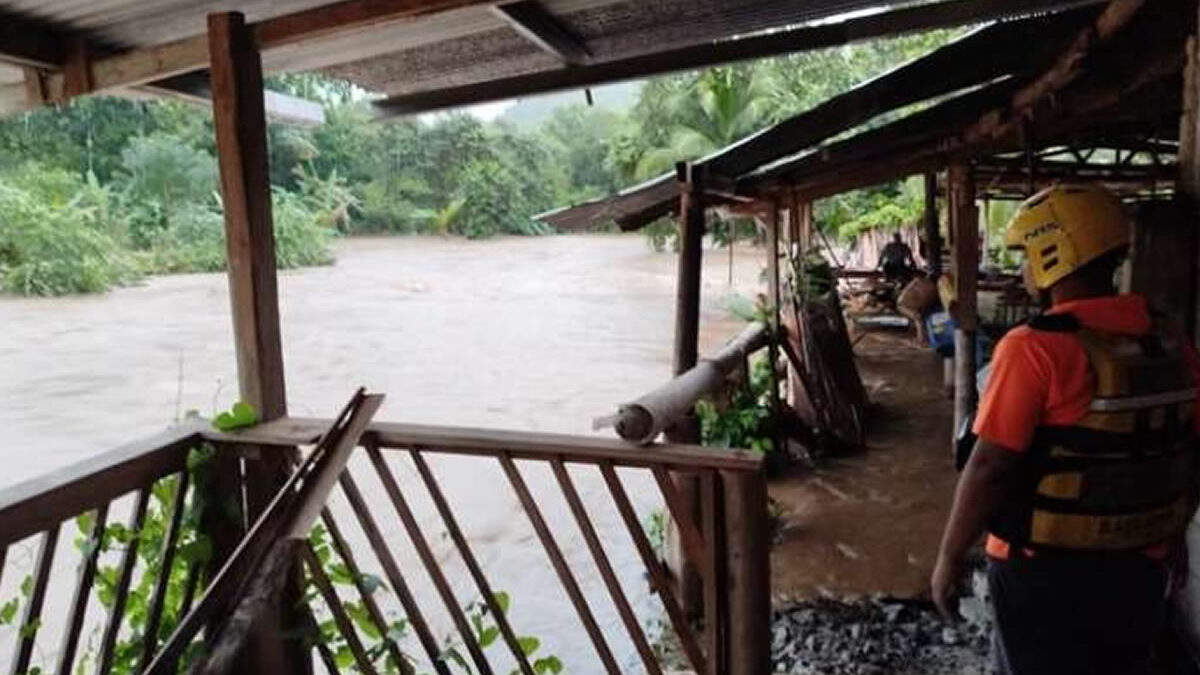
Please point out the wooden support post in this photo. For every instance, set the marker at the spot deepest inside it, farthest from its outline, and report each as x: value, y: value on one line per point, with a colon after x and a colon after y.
x: 687, y: 336
x: 239, y: 117
x: 964, y: 220
x: 775, y: 302
x: 933, y: 237
x: 748, y: 569
x: 795, y: 245
x: 1187, y: 189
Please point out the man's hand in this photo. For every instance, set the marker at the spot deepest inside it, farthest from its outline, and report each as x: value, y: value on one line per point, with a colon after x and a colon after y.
x: 944, y: 586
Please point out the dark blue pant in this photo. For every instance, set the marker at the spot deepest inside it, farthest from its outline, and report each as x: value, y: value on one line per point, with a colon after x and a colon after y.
x: 1077, y: 614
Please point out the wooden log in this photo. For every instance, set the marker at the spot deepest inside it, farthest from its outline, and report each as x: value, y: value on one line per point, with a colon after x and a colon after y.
x: 644, y: 419
x: 749, y: 571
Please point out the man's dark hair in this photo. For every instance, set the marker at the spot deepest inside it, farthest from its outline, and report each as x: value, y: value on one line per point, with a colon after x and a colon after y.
x: 1099, y: 272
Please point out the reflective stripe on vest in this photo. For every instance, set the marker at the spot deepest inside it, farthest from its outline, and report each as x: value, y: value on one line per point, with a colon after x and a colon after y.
x: 1120, y: 478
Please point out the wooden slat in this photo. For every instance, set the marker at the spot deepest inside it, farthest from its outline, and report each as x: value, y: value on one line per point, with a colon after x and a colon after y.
x: 693, y: 541
x: 83, y: 591
x: 293, y: 431
x: 428, y: 559
x: 116, y: 614
x: 532, y: 21
x: 392, y: 570
x: 327, y: 657
x: 263, y: 543
x: 560, y: 564
x: 468, y: 556
x: 346, y: 553
x: 35, y: 505
x: 714, y: 580
x: 31, y: 618
x: 624, y: 609
x: 659, y: 579
x: 334, y: 603
x: 166, y: 559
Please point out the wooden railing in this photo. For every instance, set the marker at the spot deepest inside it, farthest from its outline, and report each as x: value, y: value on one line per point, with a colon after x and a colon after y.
x: 728, y: 543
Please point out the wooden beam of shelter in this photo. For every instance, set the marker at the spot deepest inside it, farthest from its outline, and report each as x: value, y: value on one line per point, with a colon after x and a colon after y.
x: 148, y: 65
x: 532, y: 21
x: 1066, y: 69
x: 983, y: 56
x: 897, y: 22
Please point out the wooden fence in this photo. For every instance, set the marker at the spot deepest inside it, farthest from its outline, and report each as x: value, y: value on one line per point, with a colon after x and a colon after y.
x: 728, y: 544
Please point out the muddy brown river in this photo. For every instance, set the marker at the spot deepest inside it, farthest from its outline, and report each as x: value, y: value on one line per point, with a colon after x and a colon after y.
x: 537, y: 334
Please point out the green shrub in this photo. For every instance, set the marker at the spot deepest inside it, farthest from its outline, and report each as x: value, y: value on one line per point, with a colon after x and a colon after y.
x: 300, y: 240
x: 194, y: 239
x: 56, y: 249
x: 494, y: 203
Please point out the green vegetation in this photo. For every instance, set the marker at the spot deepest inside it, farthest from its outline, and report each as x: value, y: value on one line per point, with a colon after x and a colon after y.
x: 744, y: 420
x: 105, y: 190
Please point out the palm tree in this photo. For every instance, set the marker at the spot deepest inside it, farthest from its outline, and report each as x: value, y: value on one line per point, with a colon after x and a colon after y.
x: 716, y: 108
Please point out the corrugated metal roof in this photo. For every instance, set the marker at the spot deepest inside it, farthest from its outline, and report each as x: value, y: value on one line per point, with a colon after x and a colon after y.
x: 457, y: 46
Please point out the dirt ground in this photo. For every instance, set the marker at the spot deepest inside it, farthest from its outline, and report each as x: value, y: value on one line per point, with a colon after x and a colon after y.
x: 870, y: 523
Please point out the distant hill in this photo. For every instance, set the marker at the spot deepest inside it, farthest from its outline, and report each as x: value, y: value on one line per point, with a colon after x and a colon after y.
x: 530, y: 113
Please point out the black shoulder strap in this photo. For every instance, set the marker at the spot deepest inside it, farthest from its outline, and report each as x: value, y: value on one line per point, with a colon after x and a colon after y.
x: 1055, y: 323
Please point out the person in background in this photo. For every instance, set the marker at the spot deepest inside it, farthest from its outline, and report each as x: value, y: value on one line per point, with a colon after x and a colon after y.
x: 896, y: 260
x: 1082, y: 474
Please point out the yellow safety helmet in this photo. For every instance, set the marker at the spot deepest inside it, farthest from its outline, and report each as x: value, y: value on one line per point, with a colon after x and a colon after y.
x: 1064, y: 227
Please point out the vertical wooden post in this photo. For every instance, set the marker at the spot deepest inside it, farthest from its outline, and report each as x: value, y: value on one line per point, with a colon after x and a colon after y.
x: 748, y: 573
x: 964, y: 219
x: 773, y: 294
x: 1187, y: 188
x: 239, y: 118
x: 687, y: 290
x: 795, y: 243
x: 687, y: 339
x: 933, y: 237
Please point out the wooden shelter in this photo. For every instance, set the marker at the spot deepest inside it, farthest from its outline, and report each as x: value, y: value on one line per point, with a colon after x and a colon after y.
x: 1057, y: 78
x: 1010, y: 107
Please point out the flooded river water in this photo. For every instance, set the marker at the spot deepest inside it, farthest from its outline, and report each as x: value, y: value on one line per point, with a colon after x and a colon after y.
x: 540, y: 334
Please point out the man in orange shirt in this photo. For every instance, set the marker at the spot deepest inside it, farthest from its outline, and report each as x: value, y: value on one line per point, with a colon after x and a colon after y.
x: 1082, y: 474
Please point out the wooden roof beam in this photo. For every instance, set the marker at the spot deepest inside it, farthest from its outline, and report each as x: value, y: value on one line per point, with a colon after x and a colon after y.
x: 896, y: 22
x: 532, y: 21
x: 151, y: 64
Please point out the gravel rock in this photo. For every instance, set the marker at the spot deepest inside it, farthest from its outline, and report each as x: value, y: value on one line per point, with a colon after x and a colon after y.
x: 879, y: 636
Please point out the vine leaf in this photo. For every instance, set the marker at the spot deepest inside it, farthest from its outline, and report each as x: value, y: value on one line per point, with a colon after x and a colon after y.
x: 241, y: 416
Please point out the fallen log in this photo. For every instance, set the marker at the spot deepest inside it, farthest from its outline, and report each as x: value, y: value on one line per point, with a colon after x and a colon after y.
x: 644, y: 419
